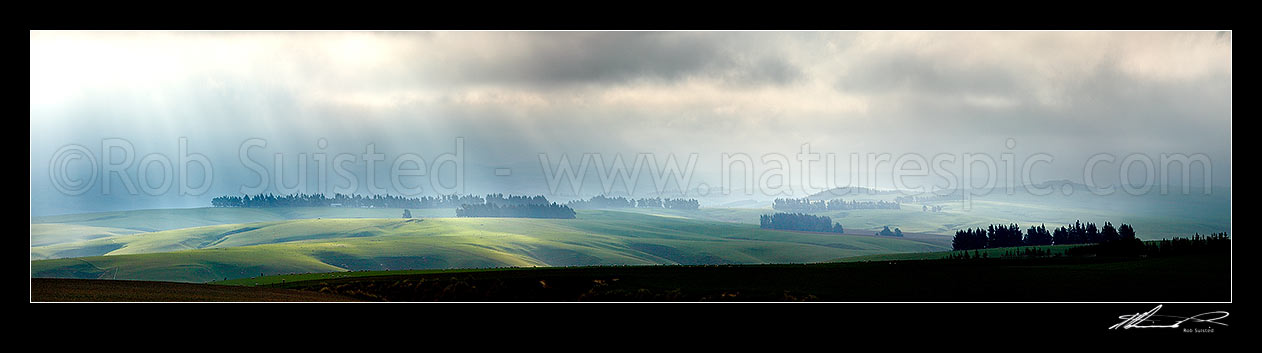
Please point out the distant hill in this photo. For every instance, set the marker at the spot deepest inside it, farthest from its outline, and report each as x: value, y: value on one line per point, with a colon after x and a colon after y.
x: 848, y: 192
x: 745, y: 204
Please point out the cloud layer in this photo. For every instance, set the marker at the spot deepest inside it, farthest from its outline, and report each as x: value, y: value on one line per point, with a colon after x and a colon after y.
x: 513, y: 95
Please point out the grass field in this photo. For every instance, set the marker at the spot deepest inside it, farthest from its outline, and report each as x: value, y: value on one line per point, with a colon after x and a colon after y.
x: 45, y: 234
x: 1199, y: 277
x: 203, y: 254
x: 1182, y: 278
x: 176, y: 218
x: 71, y: 235
x: 206, y: 244
x: 1051, y: 250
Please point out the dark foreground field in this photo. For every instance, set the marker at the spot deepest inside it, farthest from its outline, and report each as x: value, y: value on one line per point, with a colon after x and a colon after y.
x: 1201, y: 277
x: 1181, y: 278
x: 92, y: 290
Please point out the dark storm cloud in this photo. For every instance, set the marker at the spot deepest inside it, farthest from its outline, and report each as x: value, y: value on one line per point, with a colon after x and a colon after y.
x: 610, y: 58
x: 605, y: 58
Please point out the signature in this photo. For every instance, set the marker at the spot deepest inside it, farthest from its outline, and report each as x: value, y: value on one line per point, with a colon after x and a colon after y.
x: 1150, y: 319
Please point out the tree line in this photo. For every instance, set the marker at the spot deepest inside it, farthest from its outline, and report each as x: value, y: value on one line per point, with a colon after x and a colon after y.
x: 808, y: 205
x: 886, y: 232
x: 799, y: 221
x: 1197, y: 244
x: 493, y: 205
x: 1001, y: 236
x: 342, y: 200
x: 514, y: 200
x: 1123, y: 246
x: 550, y: 210
x: 953, y: 196
x: 602, y: 201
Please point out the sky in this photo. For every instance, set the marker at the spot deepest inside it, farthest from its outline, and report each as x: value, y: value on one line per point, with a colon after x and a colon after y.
x: 506, y: 98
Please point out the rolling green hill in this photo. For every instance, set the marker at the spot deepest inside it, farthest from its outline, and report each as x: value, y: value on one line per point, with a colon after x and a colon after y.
x: 202, y: 244
x: 175, y: 218
x: 72, y: 235
x: 207, y: 253
x: 45, y: 234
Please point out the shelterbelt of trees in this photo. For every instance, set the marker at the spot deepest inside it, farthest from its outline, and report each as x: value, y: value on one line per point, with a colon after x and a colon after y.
x: 493, y: 205
x: 342, y: 200
x: 800, y: 221
x: 1213, y: 243
x: 549, y: 210
x: 954, y: 196
x: 513, y: 200
x: 1001, y: 236
x: 601, y: 201
x: 807, y: 205
x: 1216, y: 243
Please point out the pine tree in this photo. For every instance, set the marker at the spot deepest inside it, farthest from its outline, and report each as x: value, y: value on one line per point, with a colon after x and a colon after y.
x: 1126, y: 232
x: 1108, y: 233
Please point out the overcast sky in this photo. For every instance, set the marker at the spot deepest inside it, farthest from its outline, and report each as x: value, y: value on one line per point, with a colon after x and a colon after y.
x: 513, y: 95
